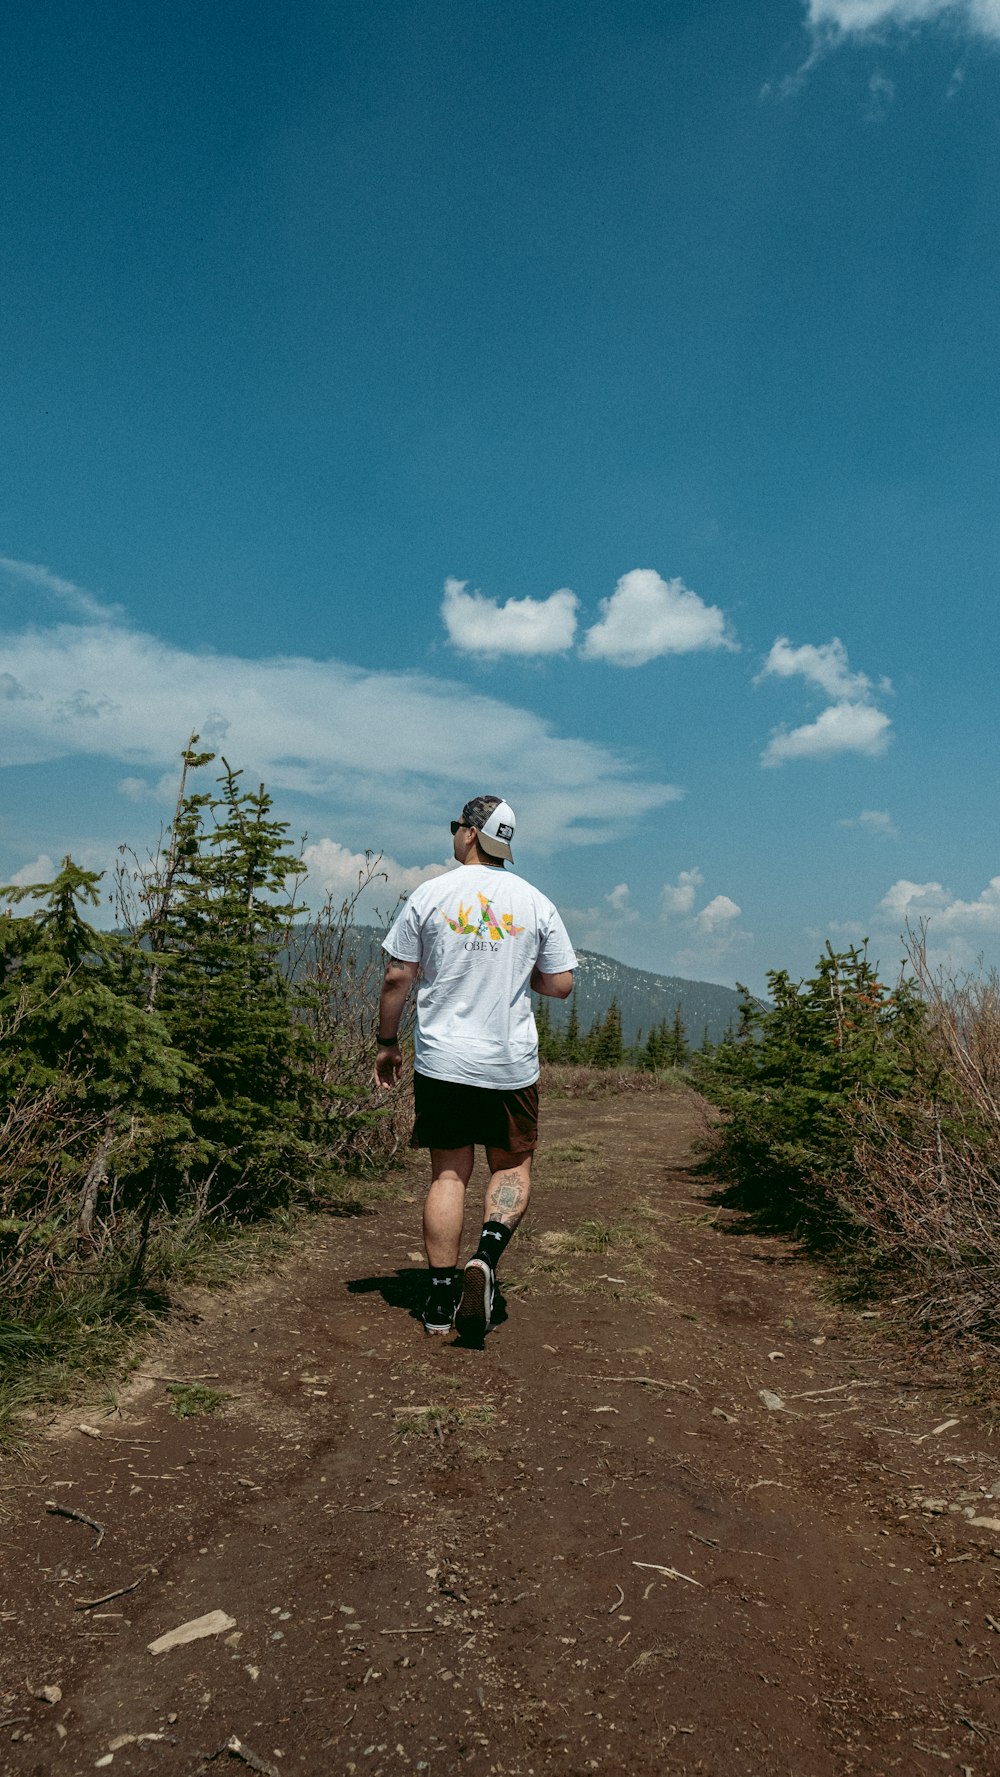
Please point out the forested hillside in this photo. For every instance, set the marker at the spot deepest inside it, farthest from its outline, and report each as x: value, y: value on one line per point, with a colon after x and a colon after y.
x: 645, y: 999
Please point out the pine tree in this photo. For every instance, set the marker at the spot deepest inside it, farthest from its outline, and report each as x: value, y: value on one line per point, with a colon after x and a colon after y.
x: 549, y: 1045
x: 656, y: 1053
x: 108, y: 1070
x: 571, y: 1046
x: 791, y: 1077
x: 606, y: 1046
x: 218, y: 918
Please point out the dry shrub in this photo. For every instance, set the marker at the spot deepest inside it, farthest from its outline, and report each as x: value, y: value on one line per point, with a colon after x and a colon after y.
x: 561, y: 1079
x: 925, y: 1188
x: 339, y: 965
x: 42, y: 1142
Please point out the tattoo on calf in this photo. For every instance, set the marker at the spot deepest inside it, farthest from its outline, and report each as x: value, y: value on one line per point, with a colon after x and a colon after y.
x: 506, y: 1196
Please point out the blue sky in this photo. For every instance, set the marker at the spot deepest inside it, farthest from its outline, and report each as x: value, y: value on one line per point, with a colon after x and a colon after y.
x: 593, y: 403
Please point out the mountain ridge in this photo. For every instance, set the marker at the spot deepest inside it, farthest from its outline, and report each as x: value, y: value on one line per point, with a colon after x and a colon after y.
x: 646, y: 998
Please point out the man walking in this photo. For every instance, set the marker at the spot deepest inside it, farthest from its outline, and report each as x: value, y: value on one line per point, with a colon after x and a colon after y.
x: 479, y: 938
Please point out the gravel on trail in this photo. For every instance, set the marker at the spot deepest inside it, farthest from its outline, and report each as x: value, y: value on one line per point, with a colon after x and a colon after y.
x: 678, y: 1515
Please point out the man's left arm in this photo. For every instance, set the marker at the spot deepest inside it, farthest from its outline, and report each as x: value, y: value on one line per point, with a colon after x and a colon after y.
x: 396, y: 983
x: 555, y: 948
x: 557, y: 986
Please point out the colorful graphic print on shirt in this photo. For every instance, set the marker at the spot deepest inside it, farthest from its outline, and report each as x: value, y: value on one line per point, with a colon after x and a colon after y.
x: 484, y: 925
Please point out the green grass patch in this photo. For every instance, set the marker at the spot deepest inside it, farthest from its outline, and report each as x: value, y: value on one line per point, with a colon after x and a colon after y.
x: 592, y: 1235
x: 192, y: 1400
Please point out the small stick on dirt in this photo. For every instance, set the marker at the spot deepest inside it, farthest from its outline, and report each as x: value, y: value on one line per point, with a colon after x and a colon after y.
x: 417, y: 1629
x: 237, y: 1749
x: 57, y: 1511
x: 946, y: 1425
x: 619, y: 1601
x: 14, y: 1721
x: 671, y: 1573
x: 813, y: 1394
x: 648, y: 1382
x: 710, y: 1542
x: 92, y: 1603
x: 206, y: 1376
x: 650, y: 1653
x: 108, y: 1437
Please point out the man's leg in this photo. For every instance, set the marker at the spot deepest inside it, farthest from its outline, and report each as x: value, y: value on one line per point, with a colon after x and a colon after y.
x: 506, y: 1200
x: 509, y: 1189
x: 444, y: 1207
x: 444, y: 1215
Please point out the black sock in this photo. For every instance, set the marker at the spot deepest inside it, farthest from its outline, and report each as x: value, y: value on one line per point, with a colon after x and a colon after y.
x: 492, y: 1241
x: 443, y: 1276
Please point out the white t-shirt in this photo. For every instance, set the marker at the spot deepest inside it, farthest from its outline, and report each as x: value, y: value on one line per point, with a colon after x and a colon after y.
x: 477, y: 934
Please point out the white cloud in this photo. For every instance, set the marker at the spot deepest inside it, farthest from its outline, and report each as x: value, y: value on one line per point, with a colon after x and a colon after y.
x: 833, y: 23
x: 874, y: 820
x: 398, y: 752
x: 339, y: 873
x: 826, y: 667
x: 134, y: 789
x: 702, y: 944
x: 858, y: 18
x: 42, y: 870
x: 908, y: 902
x: 842, y: 728
x: 707, y: 936
x: 907, y: 899
x: 719, y: 913
x: 478, y: 625
x: 677, y: 899
x: 984, y: 15
x: 881, y: 93
x: 139, y: 789
x: 647, y: 616
x: 850, y: 724
x: 851, y: 929
x: 956, y: 82
x: 618, y: 901
x: 607, y: 926
x: 76, y: 598
x: 711, y: 954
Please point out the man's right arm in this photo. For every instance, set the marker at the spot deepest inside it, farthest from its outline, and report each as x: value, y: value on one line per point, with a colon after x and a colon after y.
x: 397, y: 981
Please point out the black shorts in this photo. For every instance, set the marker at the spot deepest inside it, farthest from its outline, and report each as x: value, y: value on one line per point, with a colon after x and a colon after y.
x: 450, y: 1115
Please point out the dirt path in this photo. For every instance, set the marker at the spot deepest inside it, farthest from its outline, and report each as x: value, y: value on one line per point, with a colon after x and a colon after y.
x: 591, y: 1546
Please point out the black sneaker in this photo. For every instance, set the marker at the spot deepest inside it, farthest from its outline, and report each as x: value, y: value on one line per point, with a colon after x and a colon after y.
x: 439, y: 1310
x: 473, y: 1315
